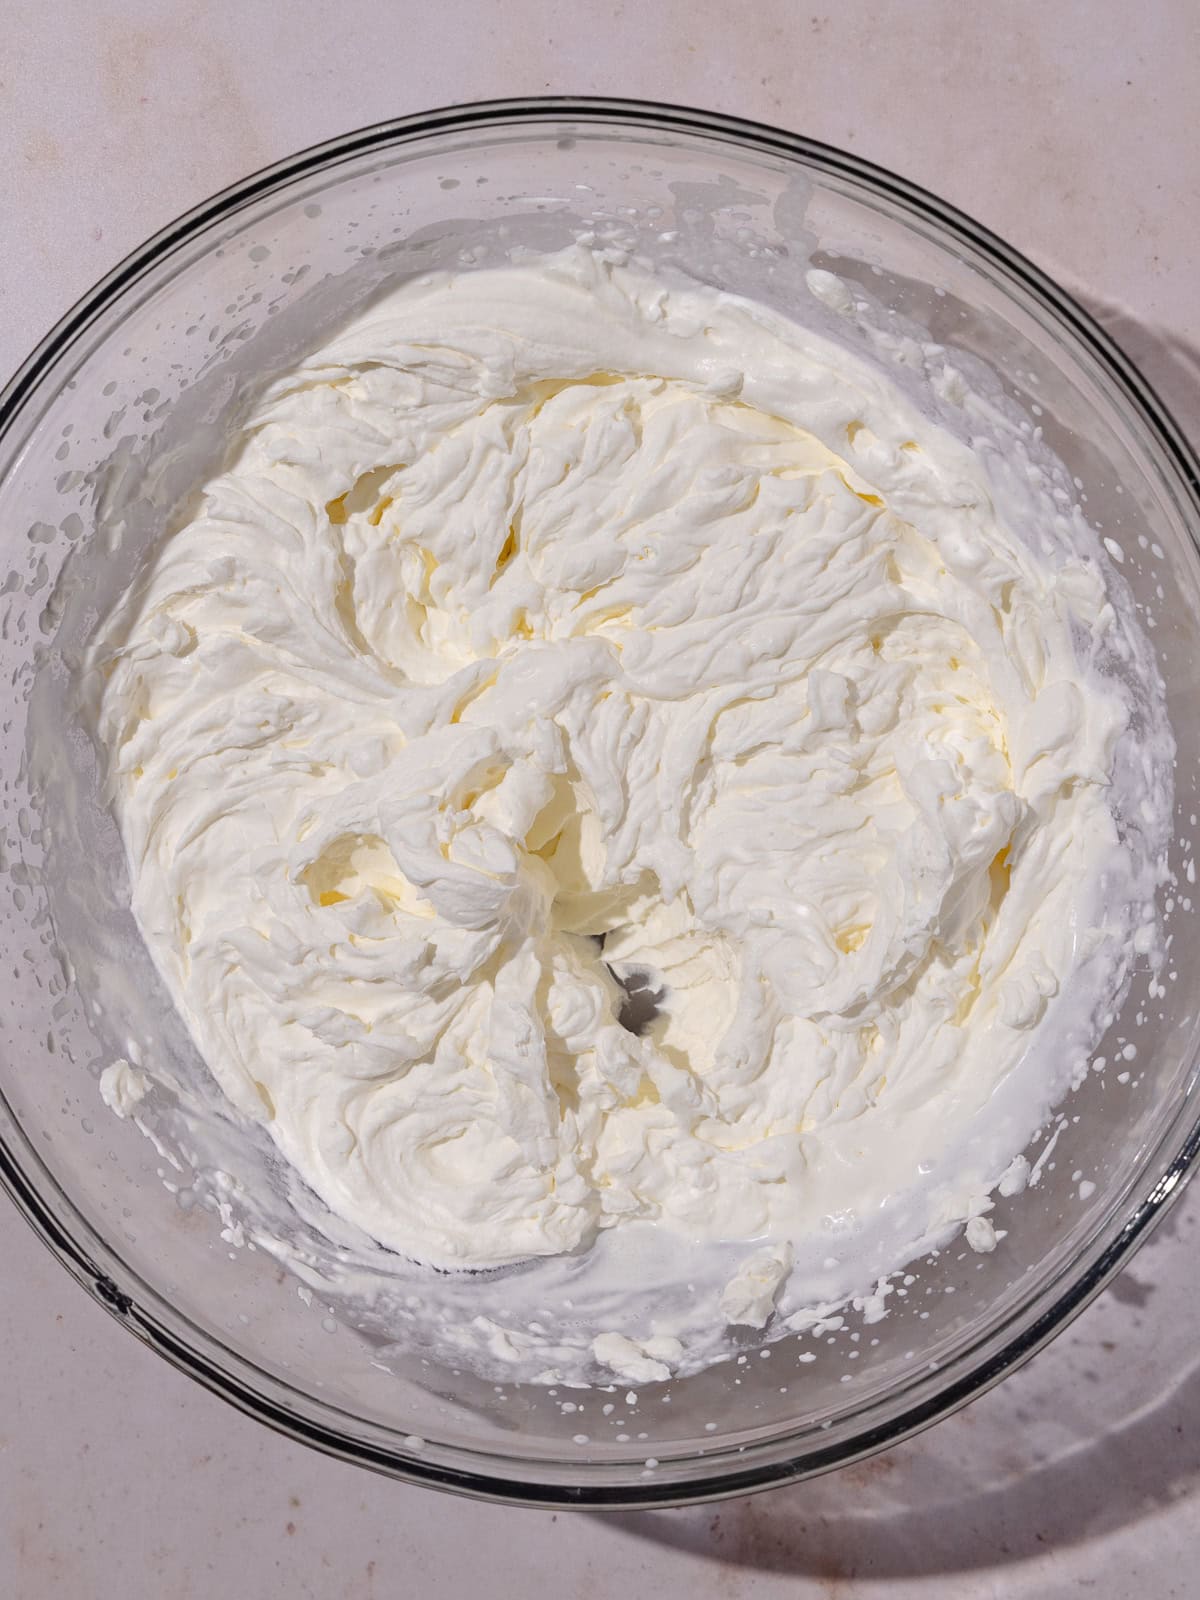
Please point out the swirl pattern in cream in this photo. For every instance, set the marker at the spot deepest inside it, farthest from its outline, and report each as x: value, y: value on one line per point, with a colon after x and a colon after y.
x: 553, y: 627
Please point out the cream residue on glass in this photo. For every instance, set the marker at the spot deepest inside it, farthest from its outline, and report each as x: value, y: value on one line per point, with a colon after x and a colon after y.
x: 555, y: 633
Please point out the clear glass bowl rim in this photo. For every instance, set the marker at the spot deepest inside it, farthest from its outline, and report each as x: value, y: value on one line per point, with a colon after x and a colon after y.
x: 89, y: 1257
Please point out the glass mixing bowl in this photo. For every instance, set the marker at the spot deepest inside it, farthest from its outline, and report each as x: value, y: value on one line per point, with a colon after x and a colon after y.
x: 165, y: 351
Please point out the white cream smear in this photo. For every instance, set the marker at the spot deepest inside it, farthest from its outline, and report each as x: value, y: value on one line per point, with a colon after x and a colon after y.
x: 554, y: 628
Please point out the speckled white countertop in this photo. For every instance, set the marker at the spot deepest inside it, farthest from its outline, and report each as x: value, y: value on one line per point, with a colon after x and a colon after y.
x: 1074, y: 131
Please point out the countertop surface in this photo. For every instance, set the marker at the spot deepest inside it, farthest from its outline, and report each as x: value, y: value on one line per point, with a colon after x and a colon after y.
x: 1072, y: 130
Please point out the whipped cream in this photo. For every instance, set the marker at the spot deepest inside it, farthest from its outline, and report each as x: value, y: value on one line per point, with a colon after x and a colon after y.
x: 555, y: 633
x: 122, y: 1087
